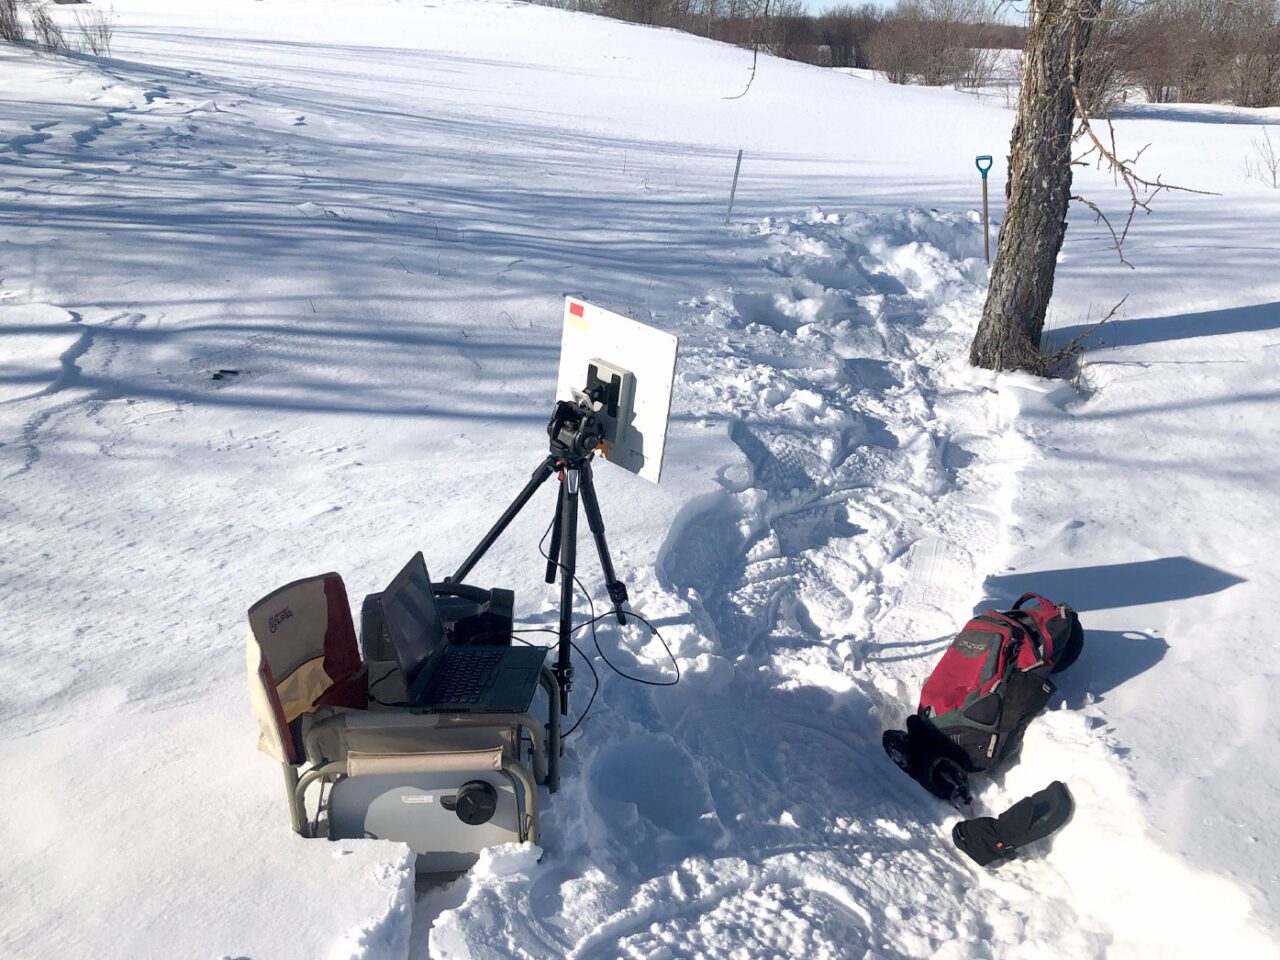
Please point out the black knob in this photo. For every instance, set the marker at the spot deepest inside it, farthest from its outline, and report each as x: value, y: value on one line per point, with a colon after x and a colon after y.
x: 476, y: 802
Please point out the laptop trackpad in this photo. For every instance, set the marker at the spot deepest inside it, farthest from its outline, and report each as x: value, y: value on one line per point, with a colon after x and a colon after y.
x: 514, y: 677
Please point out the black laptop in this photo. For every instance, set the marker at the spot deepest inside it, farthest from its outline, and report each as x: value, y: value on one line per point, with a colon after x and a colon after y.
x: 445, y: 678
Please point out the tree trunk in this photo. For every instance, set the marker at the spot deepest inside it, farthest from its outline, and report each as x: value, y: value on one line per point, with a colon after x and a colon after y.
x: 1008, y: 337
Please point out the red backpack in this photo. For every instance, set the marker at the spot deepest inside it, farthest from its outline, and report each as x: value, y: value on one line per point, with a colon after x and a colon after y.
x: 995, y: 677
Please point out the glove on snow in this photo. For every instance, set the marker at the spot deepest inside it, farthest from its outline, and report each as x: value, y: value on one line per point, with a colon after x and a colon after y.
x: 990, y: 839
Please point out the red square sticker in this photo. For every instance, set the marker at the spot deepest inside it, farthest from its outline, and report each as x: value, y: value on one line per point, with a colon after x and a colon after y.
x: 575, y: 308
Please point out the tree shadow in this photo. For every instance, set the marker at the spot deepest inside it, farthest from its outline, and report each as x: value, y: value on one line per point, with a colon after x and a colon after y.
x: 1192, y: 113
x: 1186, y: 326
x: 1111, y: 586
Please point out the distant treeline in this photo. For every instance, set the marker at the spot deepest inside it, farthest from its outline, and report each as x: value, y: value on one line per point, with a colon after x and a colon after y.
x: 1198, y: 51
x: 920, y: 40
x: 1183, y: 50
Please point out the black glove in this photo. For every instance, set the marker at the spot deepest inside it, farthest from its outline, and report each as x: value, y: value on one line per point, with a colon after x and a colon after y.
x: 990, y: 839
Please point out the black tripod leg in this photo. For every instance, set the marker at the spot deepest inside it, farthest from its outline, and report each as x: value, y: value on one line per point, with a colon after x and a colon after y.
x: 553, y: 551
x: 569, y: 481
x: 545, y: 469
x: 617, y: 589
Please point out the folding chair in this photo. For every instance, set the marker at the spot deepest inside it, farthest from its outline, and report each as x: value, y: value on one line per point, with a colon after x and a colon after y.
x: 310, y: 695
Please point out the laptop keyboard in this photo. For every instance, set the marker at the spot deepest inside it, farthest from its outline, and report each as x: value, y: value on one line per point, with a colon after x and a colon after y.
x: 459, y: 680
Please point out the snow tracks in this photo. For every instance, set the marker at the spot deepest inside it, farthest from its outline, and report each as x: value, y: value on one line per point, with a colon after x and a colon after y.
x: 750, y: 810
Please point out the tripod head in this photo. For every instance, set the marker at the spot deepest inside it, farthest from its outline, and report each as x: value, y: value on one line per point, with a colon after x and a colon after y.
x: 575, y: 431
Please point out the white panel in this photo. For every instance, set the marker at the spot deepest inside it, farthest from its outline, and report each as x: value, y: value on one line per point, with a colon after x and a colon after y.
x: 590, y: 333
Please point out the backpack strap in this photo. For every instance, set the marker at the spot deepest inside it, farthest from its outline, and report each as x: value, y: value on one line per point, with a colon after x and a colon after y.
x: 1032, y: 636
x: 1044, y: 602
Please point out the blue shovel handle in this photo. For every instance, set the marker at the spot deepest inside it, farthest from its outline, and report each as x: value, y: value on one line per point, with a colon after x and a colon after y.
x: 979, y: 162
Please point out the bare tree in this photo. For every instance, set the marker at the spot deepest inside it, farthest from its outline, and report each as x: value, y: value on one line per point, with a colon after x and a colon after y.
x: 1254, y: 75
x: 981, y: 60
x: 1109, y: 57
x: 1035, y: 222
x: 1052, y: 115
x: 11, y: 27
x: 1264, y: 166
x: 1199, y: 51
x: 47, y: 30
x: 892, y: 49
x: 788, y: 32
x: 845, y: 31
x: 932, y: 42
x: 95, y: 30
x: 1158, y: 54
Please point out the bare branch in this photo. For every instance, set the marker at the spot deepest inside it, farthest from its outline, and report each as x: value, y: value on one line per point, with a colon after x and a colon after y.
x: 1075, y: 346
x: 1117, y: 239
x: 1266, y: 167
x: 755, y: 55
x: 755, y: 51
x: 1141, y: 190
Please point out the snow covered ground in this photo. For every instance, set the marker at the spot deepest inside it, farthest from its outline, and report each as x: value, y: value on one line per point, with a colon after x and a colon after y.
x: 280, y: 286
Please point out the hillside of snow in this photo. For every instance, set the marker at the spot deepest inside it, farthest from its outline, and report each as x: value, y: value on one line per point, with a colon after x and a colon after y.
x: 280, y: 292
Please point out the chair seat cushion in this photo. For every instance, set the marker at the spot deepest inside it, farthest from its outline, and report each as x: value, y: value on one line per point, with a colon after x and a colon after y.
x: 398, y: 733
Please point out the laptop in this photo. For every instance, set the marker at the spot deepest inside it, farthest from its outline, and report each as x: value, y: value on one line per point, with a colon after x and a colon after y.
x: 444, y: 678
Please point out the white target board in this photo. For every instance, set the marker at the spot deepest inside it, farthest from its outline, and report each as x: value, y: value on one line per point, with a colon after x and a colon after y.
x: 594, y: 334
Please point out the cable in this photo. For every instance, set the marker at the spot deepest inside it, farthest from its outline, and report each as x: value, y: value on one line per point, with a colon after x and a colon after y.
x: 595, y: 618
x: 385, y: 703
x: 626, y: 676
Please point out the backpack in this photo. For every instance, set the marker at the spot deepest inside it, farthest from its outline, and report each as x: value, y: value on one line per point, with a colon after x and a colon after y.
x: 994, y: 678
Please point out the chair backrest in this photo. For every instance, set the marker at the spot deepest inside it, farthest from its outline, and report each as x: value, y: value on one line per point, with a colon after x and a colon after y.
x: 301, y: 653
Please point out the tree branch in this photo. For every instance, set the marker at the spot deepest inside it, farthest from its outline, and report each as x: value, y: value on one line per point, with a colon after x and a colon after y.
x: 1141, y: 190
x: 755, y: 52
x: 1073, y: 347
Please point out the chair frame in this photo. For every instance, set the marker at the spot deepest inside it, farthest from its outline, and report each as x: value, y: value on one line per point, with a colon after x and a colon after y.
x: 546, y: 762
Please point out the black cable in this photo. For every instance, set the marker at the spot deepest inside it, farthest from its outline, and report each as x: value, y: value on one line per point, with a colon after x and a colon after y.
x: 595, y: 618
x: 385, y: 703
x: 626, y: 676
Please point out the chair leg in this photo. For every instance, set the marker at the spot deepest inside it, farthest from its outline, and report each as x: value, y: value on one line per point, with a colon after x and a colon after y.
x: 548, y: 681
x: 296, y: 814
x: 325, y: 771
x: 528, y: 820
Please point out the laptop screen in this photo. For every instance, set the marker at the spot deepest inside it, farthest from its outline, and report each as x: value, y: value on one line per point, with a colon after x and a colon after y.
x: 413, y: 622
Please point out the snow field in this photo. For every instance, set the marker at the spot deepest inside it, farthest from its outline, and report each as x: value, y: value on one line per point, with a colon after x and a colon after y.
x: 370, y: 213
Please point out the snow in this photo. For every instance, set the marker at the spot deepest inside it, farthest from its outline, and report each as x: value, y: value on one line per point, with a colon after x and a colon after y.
x: 280, y: 291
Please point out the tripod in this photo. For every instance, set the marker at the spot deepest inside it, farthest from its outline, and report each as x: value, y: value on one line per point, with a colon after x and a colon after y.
x: 575, y: 434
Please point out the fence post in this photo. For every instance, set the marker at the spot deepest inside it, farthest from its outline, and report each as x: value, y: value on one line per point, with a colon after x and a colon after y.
x: 734, y: 192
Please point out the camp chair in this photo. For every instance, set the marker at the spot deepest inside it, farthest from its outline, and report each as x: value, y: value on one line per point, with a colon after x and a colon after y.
x: 310, y: 696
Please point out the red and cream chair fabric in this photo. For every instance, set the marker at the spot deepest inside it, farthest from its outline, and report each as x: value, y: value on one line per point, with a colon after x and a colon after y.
x: 302, y: 655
